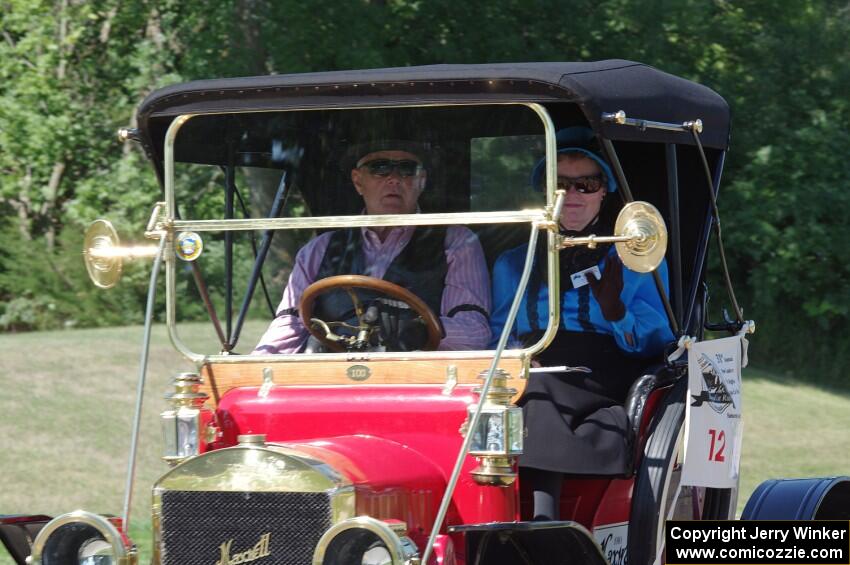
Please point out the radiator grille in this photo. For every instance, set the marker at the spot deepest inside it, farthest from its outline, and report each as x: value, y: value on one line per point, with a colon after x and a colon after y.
x: 196, y: 525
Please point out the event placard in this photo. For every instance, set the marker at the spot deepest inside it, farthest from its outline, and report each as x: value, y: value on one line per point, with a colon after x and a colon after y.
x: 713, y: 424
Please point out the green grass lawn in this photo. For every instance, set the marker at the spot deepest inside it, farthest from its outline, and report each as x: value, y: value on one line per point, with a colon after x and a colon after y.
x: 66, y: 413
x: 67, y: 400
x: 792, y: 429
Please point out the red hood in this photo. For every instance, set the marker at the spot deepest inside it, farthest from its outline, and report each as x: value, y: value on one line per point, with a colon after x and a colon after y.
x: 396, y: 443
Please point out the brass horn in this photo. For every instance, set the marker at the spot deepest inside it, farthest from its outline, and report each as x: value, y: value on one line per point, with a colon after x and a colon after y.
x: 104, y: 255
x: 640, y: 237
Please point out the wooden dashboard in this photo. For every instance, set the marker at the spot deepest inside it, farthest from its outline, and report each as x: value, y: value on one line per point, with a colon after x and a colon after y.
x: 221, y: 377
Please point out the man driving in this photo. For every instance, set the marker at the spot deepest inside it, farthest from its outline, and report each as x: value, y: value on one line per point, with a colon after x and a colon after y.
x: 444, y: 267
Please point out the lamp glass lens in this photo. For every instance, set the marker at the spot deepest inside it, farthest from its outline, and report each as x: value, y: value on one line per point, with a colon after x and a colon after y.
x: 95, y: 552
x: 169, y: 433
x: 489, y: 434
x: 515, y: 425
x: 187, y: 435
x: 377, y: 555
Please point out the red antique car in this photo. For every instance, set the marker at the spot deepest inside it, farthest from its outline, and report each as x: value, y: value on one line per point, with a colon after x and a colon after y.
x: 356, y: 452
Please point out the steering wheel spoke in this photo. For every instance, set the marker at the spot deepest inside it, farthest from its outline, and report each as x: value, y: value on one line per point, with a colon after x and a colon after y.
x: 328, y: 328
x: 355, y: 300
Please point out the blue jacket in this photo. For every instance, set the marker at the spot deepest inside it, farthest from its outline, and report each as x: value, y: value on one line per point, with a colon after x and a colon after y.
x: 643, y: 331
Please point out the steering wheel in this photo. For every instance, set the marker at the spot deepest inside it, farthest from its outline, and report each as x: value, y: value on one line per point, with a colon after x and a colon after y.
x: 324, y: 330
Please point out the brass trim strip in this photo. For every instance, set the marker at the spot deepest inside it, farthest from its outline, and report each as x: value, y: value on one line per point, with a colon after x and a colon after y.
x: 619, y: 117
x: 360, y: 220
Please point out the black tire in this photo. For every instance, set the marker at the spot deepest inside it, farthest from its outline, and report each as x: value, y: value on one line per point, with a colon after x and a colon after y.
x: 657, y: 483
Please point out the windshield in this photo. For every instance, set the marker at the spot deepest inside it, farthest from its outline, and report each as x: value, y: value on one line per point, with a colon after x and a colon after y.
x: 305, y: 165
x: 477, y: 158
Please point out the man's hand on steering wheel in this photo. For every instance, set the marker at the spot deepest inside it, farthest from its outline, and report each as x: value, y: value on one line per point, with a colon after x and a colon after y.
x: 400, y: 328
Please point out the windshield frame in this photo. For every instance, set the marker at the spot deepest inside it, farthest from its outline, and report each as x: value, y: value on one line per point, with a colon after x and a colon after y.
x: 538, y: 219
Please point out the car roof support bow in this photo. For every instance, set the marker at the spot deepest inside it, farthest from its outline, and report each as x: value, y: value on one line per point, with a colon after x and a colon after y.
x: 739, y: 317
x: 259, y: 260
x: 675, y: 229
x: 611, y: 153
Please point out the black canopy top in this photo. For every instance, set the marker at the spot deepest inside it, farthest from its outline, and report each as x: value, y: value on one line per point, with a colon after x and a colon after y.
x: 643, y: 92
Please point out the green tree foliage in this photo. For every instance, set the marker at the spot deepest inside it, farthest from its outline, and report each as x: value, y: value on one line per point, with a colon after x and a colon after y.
x: 73, y: 70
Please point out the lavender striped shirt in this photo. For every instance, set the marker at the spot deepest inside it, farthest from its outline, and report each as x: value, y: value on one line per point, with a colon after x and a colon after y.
x: 467, y: 282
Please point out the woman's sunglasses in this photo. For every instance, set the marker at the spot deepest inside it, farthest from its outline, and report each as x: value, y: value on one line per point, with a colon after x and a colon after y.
x: 583, y: 185
x: 384, y: 167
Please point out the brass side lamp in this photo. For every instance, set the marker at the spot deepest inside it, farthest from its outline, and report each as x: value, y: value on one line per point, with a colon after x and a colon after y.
x: 497, y: 438
x: 181, y: 423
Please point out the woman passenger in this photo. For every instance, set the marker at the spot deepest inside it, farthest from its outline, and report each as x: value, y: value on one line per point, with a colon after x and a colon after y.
x: 612, y: 322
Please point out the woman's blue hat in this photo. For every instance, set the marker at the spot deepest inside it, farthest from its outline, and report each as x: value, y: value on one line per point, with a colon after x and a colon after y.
x: 576, y: 139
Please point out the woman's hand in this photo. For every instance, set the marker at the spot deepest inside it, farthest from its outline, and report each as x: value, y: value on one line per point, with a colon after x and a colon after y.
x: 607, y: 290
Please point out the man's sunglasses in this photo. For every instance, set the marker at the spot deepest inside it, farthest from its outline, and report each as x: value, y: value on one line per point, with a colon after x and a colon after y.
x: 384, y: 167
x: 584, y: 185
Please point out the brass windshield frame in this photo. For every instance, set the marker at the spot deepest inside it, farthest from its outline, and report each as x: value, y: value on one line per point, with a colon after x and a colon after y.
x: 540, y: 218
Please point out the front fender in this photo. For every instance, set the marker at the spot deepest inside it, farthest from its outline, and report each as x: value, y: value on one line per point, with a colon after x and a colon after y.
x: 800, y: 499
x: 391, y: 480
x: 17, y: 533
x: 535, y: 543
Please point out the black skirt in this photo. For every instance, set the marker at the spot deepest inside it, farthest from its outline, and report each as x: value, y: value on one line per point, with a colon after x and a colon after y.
x: 575, y: 422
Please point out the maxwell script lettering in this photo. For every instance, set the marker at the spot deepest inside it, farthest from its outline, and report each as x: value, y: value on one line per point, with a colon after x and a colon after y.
x: 261, y: 549
x: 613, y: 539
x: 615, y: 551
